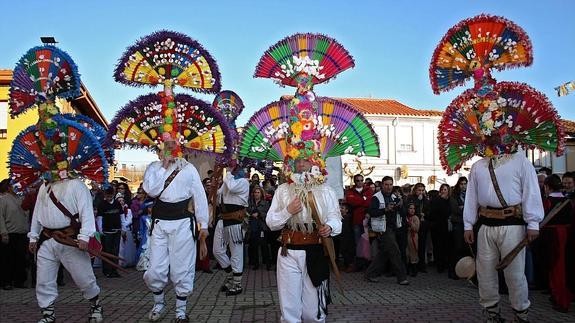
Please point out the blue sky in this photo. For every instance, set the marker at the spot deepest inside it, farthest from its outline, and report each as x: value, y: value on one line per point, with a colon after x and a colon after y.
x: 392, y: 43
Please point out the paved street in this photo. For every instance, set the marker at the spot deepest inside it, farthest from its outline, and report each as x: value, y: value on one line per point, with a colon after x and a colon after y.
x: 429, y: 298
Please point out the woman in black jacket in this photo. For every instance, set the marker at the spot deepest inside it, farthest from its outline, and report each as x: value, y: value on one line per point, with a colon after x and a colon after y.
x: 458, y: 247
x: 438, y: 224
x: 257, y: 209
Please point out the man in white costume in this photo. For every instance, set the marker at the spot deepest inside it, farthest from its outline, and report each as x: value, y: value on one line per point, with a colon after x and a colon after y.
x: 302, y: 133
x: 303, y: 294
x: 174, y: 182
x: 234, y: 193
x: 57, y: 152
x: 48, y: 221
x: 502, y: 227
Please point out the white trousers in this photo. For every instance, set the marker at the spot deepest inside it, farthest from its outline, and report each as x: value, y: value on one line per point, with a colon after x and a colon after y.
x: 76, y: 261
x: 298, y: 297
x: 494, y: 243
x: 173, y: 251
x: 220, y: 250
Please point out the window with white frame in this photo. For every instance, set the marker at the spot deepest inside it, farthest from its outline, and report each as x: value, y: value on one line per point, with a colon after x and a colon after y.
x: 539, y: 158
x: 3, y: 120
x: 414, y: 179
x: 404, y: 138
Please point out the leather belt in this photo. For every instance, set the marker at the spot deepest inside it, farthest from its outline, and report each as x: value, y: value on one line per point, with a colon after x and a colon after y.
x: 503, y: 213
x: 238, y: 215
x: 66, y: 232
x: 299, y: 238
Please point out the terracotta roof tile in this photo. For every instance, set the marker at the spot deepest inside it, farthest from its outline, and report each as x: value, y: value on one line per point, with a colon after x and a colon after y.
x: 569, y: 126
x: 386, y: 107
x: 434, y: 113
x: 383, y: 107
x: 5, y: 77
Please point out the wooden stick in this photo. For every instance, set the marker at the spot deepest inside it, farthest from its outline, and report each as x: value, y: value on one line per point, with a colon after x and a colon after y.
x: 96, y: 253
x: 515, y: 251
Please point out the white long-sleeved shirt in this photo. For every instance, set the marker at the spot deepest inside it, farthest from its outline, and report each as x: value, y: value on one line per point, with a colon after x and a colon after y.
x: 75, y: 196
x: 185, y: 185
x: 326, y: 202
x: 234, y: 191
x: 518, y: 183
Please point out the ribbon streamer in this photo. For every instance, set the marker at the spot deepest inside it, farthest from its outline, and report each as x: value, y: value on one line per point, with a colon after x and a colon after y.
x: 566, y: 88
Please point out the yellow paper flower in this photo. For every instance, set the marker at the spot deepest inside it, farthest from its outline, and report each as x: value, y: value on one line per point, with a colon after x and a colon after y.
x: 488, y: 152
x: 62, y: 165
x: 293, y: 153
x: 297, y: 128
x: 488, y: 124
x: 52, y: 109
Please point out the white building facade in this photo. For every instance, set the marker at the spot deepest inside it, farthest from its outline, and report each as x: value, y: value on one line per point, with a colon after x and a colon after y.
x: 409, y: 147
x: 408, y: 144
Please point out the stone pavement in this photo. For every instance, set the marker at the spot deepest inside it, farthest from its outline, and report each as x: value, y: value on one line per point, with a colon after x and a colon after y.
x: 430, y: 298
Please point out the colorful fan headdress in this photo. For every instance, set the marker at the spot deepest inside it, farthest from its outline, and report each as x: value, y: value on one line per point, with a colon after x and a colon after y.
x: 306, y: 127
x: 57, y: 146
x: 491, y: 118
x: 230, y: 105
x: 169, y: 59
x: 486, y: 42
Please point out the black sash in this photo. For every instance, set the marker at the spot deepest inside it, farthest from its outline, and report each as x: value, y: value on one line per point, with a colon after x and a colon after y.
x: 166, y: 184
x: 170, y: 211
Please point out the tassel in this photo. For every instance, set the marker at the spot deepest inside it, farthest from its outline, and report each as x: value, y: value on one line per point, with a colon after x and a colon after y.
x: 324, y: 298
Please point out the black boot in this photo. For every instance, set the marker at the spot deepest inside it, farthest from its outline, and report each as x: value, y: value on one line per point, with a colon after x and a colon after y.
x: 96, y: 312
x: 236, y: 287
x: 228, y: 284
x: 48, y: 314
x: 521, y: 316
x: 492, y: 314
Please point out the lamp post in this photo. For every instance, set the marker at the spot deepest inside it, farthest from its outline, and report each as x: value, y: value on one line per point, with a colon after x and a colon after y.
x: 394, y: 123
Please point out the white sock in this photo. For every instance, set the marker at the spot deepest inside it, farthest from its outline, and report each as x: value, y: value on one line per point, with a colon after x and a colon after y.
x: 181, y: 307
x: 159, y: 298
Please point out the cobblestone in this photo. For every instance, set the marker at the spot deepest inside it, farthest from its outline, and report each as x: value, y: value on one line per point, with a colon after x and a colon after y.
x: 429, y: 298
